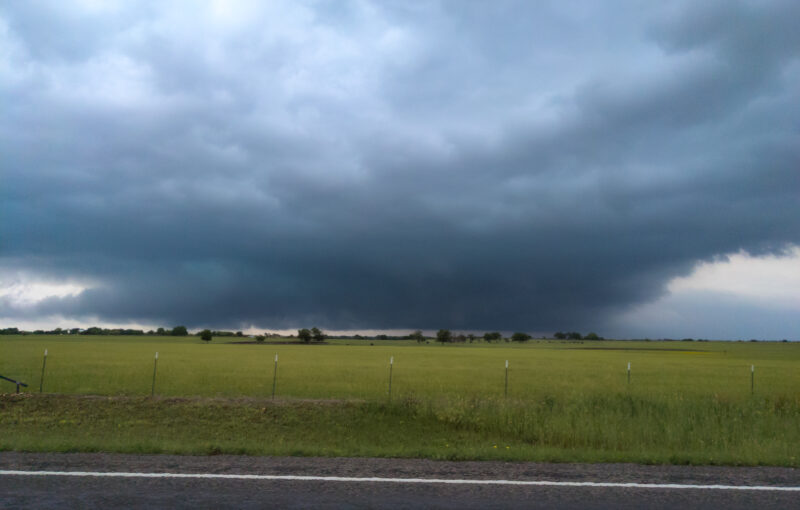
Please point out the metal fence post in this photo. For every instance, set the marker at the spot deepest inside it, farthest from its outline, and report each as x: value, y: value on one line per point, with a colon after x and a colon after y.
x: 155, y: 366
x: 505, y: 393
x: 275, y: 376
x: 391, y: 364
x: 44, y: 362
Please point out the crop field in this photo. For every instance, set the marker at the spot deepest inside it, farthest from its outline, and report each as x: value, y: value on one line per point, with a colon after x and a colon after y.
x: 686, y: 402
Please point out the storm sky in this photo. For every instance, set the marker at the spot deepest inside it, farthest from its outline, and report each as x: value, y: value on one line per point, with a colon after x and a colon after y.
x: 626, y: 167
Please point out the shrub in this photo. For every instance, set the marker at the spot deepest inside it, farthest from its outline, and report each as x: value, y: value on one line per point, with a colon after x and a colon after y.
x: 520, y: 337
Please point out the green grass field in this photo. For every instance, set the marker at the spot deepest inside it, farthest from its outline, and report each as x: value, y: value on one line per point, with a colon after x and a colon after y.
x: 687, y: 402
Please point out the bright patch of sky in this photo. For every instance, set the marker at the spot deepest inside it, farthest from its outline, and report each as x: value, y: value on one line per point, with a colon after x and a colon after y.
x: 27, y: 293
x: 737, y: 297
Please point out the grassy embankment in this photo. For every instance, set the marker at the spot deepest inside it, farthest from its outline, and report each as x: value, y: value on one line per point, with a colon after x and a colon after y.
x: 690, y: 403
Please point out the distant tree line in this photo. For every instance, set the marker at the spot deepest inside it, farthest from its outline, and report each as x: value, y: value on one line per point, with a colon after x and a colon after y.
x: 94, y: 330
x: 574, y: 335
x: 446, y: 336
x: 306, y: 335
x: 222, y: 333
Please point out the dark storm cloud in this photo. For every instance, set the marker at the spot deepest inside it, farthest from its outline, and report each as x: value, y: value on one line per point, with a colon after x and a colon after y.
x: 464, y: 165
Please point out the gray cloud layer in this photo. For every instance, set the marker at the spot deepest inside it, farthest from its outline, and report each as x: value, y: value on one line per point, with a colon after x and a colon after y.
x: 459, y: 164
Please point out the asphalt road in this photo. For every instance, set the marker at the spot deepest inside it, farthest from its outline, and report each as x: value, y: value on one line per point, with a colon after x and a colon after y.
x: 59, y: 491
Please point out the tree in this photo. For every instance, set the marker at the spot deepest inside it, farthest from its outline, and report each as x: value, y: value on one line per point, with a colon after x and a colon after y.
x: 304, y: 335
x: 206, y: 335
x: 260, y: 338
x: 574, y: 335
x: 559, y: 335
x: 520, y: 337
x: 444, y: 335
x: 418, y: 336
x: 179, y: 331
x: 161, y: 331
x: 490, y: 337
x: 592, y: 336
x: 317, y: 334
x: 239, y: 334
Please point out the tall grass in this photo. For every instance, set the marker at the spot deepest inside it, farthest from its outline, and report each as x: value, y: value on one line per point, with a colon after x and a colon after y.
x: 617, y: 428
x: 689, y: 404
x: 624, y: 426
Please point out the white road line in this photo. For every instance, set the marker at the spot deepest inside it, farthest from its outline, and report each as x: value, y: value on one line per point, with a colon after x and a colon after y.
x: 540, y: 483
